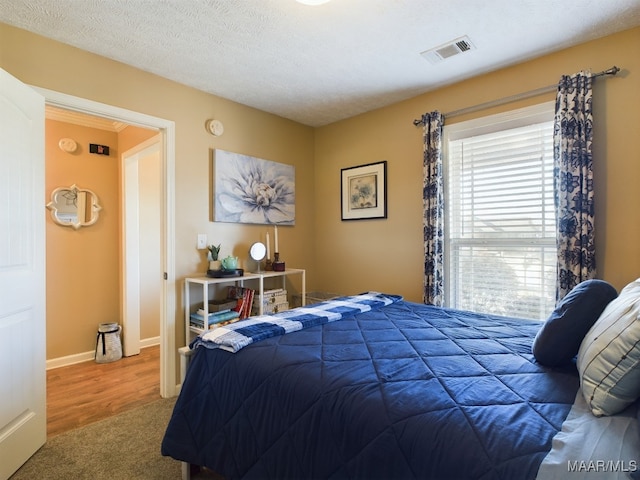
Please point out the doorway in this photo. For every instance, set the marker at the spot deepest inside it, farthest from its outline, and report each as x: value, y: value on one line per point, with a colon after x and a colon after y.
x: 167, y: 154
x: 141, y: 245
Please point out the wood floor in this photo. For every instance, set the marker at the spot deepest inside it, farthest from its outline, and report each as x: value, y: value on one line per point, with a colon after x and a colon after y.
x: 87, y: 392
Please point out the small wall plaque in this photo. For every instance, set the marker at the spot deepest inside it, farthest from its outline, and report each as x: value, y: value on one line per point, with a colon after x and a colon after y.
x: 98, y: 149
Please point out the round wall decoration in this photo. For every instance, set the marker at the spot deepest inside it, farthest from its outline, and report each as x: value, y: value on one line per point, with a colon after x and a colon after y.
x: 68, y: 145
x: 214, y: 127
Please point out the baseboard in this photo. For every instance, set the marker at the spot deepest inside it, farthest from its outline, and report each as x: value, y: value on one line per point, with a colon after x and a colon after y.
x: 149, y: 342
x: 87, y: 356
x: 70, y: 360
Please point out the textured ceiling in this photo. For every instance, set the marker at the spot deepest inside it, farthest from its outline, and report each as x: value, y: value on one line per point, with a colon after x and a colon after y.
x: 319, y: 64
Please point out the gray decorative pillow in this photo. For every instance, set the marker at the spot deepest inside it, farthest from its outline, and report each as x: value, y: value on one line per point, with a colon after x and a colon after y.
x: 609, y: 357
x: 559, y: 339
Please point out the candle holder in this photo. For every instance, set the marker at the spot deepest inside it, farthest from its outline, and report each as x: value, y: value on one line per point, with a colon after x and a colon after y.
x: 278, y: 266
x: 269, y: 265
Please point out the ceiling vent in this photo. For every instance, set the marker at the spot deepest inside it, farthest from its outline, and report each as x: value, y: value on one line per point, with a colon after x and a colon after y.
x: 450, y: 49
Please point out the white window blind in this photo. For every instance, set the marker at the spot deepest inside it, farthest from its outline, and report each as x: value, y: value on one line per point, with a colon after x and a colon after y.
x: 501, y: 244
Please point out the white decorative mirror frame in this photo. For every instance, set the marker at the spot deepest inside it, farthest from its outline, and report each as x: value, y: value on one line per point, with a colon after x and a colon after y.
x: 74, y: 207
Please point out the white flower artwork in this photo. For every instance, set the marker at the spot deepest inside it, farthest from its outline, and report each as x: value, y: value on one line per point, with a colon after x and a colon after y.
x: 252, y: 190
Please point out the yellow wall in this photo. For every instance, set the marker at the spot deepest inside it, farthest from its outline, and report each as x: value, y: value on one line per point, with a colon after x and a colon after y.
x: 45, y: 63
x: 348, y: 257
x: 82, y: 265
x: 83, y: 275
x: 385, y: 255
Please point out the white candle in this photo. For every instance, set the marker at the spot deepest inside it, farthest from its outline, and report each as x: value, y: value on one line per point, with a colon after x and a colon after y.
x: 268, y: 254
x: 276, y: 240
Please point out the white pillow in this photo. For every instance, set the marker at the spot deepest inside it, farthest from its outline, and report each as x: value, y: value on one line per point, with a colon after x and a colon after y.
x: 609, y: 356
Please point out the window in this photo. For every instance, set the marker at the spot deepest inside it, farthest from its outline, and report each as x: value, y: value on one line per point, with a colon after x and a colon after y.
x: 499, y: 214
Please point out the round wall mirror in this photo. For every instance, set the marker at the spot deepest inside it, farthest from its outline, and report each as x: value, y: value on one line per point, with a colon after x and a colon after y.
x: 74, y: 207
x: 258, y: 251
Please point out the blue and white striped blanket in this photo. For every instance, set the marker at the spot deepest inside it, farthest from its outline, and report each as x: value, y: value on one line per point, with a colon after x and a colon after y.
x: 238, y: 335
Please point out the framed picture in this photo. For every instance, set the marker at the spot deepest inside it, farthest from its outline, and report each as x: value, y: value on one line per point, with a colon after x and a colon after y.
x: 252, y: 190
x: 364, y: 191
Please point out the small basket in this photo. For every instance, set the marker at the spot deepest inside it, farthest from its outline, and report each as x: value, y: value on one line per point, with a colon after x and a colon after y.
x: 108, y: 343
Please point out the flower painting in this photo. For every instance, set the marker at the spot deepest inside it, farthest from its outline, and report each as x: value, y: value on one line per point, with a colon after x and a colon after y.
x: 364, y: 191
x: 252, y: 190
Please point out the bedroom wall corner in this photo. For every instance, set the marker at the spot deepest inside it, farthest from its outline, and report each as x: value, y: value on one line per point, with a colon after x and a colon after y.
x: 387, y: 255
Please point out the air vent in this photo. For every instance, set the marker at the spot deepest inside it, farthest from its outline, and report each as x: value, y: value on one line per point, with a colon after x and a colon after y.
x: 450, y: 49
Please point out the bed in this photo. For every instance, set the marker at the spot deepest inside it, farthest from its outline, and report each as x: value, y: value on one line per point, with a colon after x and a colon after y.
x: 373, y: 386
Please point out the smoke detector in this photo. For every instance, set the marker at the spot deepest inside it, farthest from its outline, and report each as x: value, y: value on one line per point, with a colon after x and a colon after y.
x: 448, y: 50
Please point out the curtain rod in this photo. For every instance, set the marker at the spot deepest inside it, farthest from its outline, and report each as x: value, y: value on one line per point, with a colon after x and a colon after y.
x: 513, y: 98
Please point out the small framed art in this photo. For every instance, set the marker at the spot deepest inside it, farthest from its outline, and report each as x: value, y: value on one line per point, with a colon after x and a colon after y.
x: 364, y: 191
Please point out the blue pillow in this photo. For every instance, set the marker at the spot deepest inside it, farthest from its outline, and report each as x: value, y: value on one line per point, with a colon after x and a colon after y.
x: 559, y: 339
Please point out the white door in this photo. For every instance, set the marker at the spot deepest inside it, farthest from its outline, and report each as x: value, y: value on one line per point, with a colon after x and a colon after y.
x: 142, y: 232
x: 23, y: 426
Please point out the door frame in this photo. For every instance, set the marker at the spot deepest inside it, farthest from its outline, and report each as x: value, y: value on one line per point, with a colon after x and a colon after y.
x: 168, y: 154
x: 131, y: 240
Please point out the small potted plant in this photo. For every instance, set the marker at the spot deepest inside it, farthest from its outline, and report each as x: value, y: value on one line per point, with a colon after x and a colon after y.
x: 212, y: 256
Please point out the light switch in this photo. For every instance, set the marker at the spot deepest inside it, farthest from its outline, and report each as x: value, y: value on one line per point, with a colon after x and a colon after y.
x: 202, y: 241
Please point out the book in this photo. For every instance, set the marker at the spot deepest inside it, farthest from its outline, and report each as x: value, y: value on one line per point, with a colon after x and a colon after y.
x: 201, y: 311
x: 197, y: 320
x: 221, y: 305
x: 243, y: 297
x: 248, y: 301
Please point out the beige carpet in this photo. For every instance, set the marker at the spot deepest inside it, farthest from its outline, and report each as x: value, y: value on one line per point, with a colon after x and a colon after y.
x: 124, y: 447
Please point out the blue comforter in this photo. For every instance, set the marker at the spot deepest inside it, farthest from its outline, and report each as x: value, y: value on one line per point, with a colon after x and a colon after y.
x: 401, y: 391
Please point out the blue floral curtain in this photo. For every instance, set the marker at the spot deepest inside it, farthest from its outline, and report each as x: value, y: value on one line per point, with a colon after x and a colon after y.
x: 433, y: 202
x: 573, y: 182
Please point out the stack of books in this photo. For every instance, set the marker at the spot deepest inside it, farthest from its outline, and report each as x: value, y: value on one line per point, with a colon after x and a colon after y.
x: 214, y: 319
x: 235, y: 307
x: 243, y: 297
